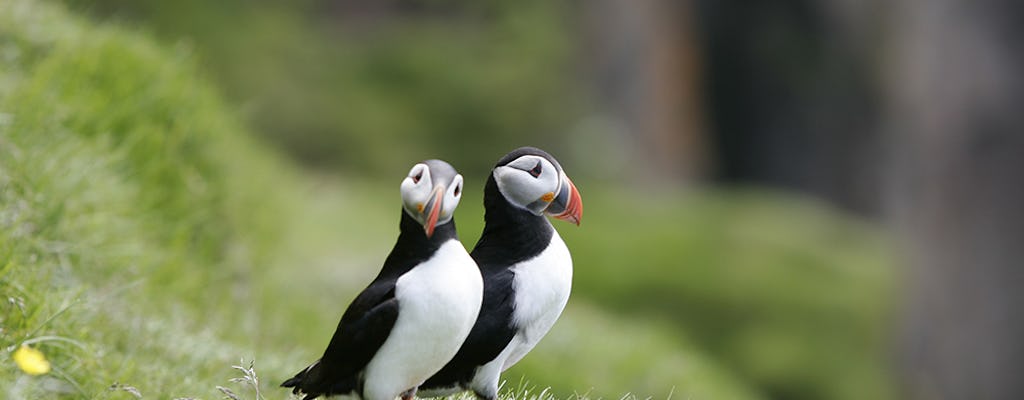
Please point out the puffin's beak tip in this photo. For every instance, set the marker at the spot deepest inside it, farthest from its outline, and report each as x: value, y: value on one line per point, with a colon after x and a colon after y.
x: 573, y: 212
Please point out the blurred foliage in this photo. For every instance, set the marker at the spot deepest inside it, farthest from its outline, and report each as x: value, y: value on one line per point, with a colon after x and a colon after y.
x: 776, y: 288
x: 352, y: 85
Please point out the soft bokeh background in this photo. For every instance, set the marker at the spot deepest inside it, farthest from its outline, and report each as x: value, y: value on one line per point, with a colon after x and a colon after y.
x: 792, y: 199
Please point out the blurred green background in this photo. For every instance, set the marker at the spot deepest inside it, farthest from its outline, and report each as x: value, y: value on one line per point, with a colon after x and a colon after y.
x: 186, y: 183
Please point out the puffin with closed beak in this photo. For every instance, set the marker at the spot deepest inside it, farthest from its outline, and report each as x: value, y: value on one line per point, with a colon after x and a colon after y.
x: 415, y: 314
x: 526, y: 267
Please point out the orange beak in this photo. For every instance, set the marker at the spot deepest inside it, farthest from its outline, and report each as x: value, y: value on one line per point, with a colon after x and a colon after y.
x: 567, y: 205
x: 435, y: 210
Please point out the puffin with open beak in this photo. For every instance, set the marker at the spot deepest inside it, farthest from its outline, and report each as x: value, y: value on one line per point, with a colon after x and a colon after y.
x: 526, y: 267
x: 416, y: 313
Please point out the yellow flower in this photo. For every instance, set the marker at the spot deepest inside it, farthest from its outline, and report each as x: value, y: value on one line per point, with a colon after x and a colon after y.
x: 31, y: 361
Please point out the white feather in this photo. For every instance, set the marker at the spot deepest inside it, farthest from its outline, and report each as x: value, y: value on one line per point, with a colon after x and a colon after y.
x: 438, y: 303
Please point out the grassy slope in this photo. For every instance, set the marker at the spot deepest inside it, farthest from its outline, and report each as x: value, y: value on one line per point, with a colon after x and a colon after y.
x: 117, y: 168
x: 145, y: 241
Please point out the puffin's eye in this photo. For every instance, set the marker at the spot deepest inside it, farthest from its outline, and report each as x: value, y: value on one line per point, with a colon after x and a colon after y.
x: 536, y: 170
x: 419, y: 175
x: 458, y: 190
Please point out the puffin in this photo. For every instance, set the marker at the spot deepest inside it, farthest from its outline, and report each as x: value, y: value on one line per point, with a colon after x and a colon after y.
x: 412, y: 318
x: 526, y: 267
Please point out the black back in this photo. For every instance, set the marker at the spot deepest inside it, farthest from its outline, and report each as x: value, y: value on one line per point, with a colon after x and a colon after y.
x: 367, y: 322
x: 511, y: 235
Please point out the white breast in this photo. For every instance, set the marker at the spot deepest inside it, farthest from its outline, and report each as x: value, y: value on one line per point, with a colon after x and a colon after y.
x: 542, y: 285
x: 438, y: 303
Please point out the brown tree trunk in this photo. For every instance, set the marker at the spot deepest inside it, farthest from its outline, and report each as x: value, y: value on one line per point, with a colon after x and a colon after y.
x: 642, y: 60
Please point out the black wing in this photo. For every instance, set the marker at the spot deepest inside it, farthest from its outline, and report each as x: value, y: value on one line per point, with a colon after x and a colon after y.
x: 491, y: 333
x: 363, y: 328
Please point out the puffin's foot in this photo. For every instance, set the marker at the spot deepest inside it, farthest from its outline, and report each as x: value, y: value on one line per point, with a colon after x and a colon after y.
x: 409, y: 394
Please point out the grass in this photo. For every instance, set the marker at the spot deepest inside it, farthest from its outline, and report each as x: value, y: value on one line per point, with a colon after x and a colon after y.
x: 117, y: 219
x: 147, y: 243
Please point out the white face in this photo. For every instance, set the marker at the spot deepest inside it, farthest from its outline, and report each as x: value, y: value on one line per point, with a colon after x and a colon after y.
x: 421, y: 190
x: 529, y: 182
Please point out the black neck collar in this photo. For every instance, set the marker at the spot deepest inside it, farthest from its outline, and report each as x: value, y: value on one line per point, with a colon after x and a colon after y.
x: 511, y: 234
x: 413, y: 245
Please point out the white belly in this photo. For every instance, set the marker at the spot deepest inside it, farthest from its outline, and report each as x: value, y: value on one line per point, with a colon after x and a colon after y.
x: 542, y: 286
x: 438, y: 304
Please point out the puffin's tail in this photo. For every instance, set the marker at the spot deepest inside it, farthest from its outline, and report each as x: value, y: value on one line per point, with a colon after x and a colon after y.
x: 301, y: 381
